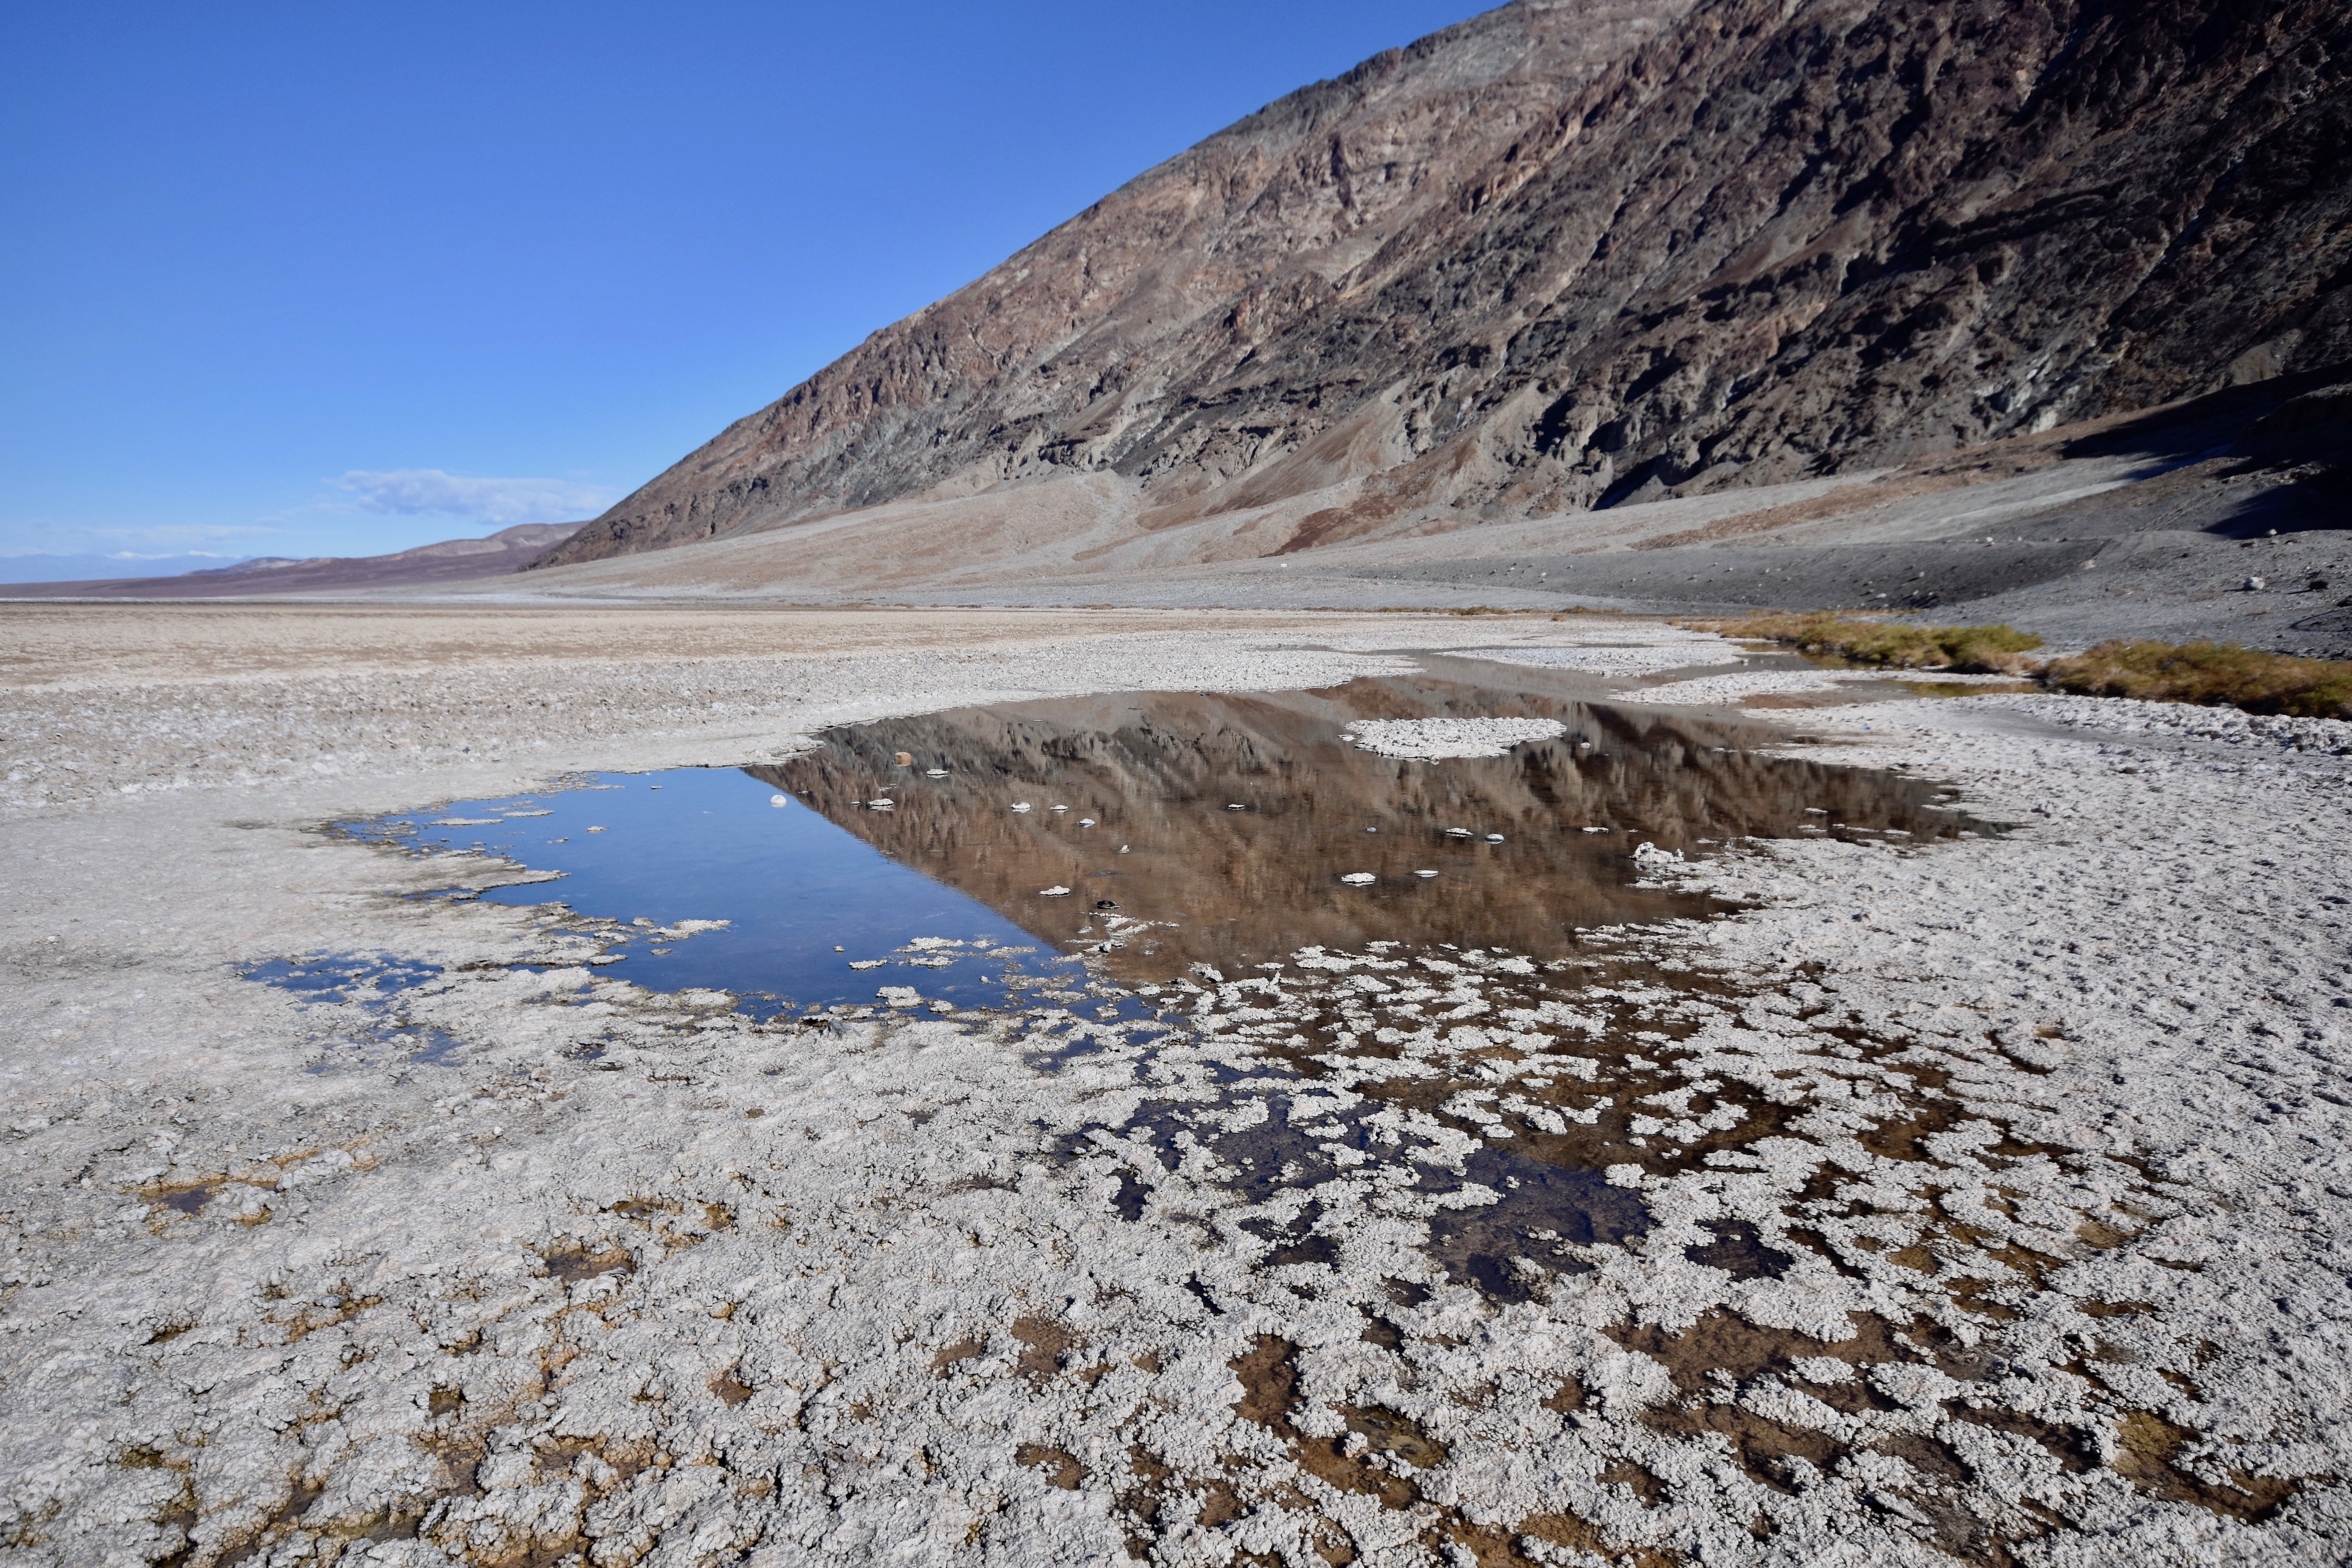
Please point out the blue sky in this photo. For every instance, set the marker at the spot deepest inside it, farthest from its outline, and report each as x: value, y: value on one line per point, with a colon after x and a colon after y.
x: 339, y: 279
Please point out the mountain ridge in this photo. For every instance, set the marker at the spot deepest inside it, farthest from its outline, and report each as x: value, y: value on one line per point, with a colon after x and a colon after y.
x: 1559, y: 257
x: 445, y: 560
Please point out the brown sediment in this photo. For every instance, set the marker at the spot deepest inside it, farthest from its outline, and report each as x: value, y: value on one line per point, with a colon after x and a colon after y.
x: 1141, y: 1501
x: 1391, y: 1433
x: 1067, y: 1472
x: 570, y: 1265
x: 1924, y: 1454
x: 2075, y: 1452
x: 1490, y: 1546
x: 1044, y: 1344
x: 309, y: 1318
x: 2147, y: 1453
x: 1763, y: 1445
x: 1968, y: 1294
x: 947, y: 1356
x: 1157, y: 1483
x: 1269, y: 1376
x: 1963, y: 1533
x: 2098, y: 1233
x: 1636, y: 1479
x: 1722, y: 1343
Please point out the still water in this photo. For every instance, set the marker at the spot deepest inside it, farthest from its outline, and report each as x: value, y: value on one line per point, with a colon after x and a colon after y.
x: 973, y: 853
x: 800, y: 899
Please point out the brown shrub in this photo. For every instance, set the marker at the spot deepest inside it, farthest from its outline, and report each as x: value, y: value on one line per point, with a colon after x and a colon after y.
x: 1990, y: 649
x: 2212, y: 674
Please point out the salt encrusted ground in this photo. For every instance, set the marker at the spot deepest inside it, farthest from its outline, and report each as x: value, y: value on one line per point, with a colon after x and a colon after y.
x: 1434, y: 739
x: 1995, y: 1193
x: 1641, y: 649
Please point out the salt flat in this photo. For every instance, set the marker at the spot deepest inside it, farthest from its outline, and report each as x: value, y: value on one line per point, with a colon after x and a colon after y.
x: 1982, y: 1201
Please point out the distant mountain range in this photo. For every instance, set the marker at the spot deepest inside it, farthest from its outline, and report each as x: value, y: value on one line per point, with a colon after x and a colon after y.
x: 1576, y: 255
x: 451, y: 560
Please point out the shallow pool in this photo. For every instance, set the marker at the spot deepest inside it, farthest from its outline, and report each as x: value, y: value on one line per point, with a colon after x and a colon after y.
x: 968, y: 859
x: 675, y: 854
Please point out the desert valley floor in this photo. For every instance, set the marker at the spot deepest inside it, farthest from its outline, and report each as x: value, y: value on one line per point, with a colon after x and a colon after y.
x: 1872, y: 1194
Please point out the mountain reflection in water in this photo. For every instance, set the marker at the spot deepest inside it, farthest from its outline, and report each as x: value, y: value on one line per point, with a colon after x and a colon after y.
x: 1158, y: 773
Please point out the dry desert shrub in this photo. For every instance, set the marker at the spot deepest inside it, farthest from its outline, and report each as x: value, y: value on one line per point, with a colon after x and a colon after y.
x: 1985, y: 650
x: 2211, y: 674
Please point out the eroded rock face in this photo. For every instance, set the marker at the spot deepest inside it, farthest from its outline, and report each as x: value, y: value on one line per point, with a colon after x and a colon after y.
x: 1560, y: 256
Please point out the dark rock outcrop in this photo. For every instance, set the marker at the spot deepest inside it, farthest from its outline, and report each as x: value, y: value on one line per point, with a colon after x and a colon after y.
x: 1570, y: 254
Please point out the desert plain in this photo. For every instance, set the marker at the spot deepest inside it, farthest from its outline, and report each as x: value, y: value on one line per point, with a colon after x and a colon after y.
x: 1979, y: 1199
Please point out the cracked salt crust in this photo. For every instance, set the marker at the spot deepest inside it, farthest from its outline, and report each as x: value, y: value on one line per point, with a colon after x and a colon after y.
x: 1990, y: 1197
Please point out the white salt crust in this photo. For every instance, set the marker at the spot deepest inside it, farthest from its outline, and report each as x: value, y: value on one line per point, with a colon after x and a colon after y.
x: 1431, y: 739
x: 2060, y: 1111
x: 1636, y: 651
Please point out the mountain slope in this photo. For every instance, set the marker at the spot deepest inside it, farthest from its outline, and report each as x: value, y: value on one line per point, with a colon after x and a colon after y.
x: 449, y: 561
x: 1572, y: 254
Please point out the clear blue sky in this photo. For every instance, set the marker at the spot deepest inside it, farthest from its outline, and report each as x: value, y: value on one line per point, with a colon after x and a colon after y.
x: 272, y: 271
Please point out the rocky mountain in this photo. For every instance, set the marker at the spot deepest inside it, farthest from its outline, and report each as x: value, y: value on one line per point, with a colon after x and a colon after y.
x: 449, y: 561
x: 1573, y: 255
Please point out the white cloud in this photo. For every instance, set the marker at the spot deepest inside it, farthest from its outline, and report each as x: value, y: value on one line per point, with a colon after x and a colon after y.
x: 501, y: 503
